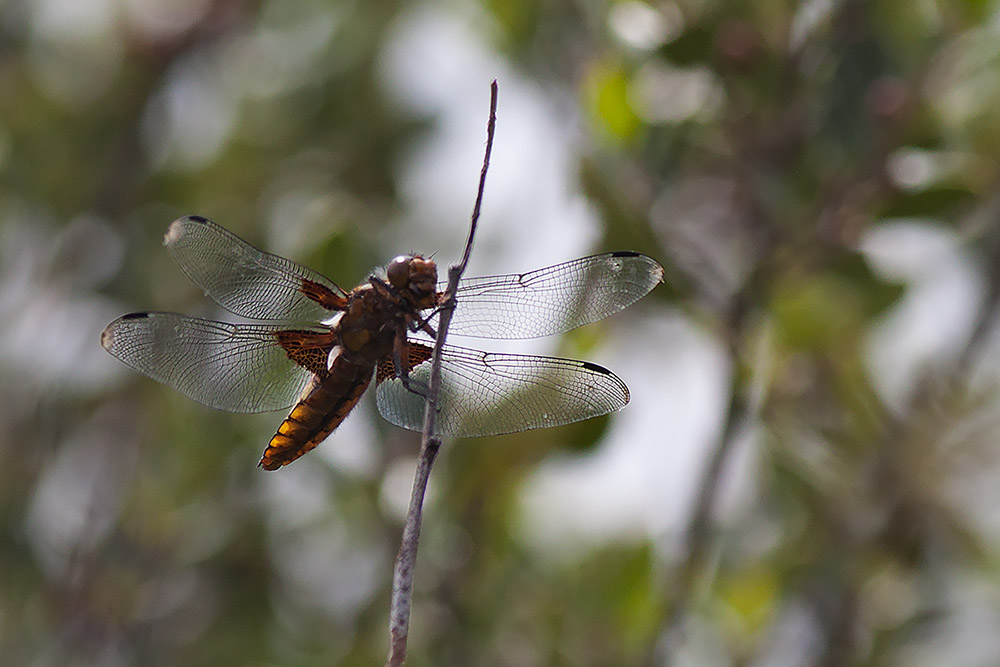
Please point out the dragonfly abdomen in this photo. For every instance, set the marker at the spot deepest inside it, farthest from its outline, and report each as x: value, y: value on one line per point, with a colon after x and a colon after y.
x: 324, y: 404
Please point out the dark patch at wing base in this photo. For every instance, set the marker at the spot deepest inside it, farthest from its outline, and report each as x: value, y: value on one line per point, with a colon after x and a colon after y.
x: 308, y: 349
x: 418, y: 353
x: 323, y: 295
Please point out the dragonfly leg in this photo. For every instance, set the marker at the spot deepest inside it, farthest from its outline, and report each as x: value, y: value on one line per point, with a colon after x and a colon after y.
x: 400, y: 351
x: 418, y: 323
x: 415, y: 386
x: 422, y: 325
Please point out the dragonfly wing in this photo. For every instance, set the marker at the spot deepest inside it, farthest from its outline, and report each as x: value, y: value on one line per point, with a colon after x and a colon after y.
x: 487, y: 393
x: 233, y: 367
x: 245, y: 280
x: 554, y: 299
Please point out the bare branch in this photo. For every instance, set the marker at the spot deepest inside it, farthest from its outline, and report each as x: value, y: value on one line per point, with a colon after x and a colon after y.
x: 402, y: 580
x: 490, y: 129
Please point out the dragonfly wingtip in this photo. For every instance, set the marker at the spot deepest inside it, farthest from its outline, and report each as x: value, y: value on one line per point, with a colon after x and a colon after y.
x: 174, y: 232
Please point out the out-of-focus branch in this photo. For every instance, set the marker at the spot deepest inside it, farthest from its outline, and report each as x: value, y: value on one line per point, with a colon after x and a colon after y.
x: 402, y: 580
x: 989, y: 220
x: 698, y: 533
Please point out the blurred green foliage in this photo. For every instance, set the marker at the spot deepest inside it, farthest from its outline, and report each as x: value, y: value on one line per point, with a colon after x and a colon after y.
x: 819, y: 179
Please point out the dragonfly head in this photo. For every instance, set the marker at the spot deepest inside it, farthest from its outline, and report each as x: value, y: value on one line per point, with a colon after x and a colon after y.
x: 414, y: 276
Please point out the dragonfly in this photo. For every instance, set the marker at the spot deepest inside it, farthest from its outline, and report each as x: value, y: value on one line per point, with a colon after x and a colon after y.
x: 316, y: 348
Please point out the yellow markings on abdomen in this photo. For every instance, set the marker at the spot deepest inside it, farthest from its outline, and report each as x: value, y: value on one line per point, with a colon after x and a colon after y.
x: 324, y: 404
x: 300, y: 413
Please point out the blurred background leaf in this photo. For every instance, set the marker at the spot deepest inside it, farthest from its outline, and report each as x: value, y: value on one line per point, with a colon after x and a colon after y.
x: 807, y: 473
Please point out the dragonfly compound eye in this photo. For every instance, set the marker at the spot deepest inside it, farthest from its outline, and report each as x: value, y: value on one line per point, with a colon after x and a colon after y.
x: 398, y: 271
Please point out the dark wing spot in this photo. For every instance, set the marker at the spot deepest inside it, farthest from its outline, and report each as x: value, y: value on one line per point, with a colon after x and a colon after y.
x: 594, y: 367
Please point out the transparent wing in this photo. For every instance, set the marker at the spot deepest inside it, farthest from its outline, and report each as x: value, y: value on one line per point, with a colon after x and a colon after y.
x: 238, y: 368
x: 486, y: 393
x: 244, y: 280
x: 554, y: 299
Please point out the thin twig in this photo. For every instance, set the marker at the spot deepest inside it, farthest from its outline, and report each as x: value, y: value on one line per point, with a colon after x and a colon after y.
x: 402, y: 579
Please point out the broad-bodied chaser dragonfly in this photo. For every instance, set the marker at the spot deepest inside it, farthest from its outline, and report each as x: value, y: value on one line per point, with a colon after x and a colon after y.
x: 317, y: 348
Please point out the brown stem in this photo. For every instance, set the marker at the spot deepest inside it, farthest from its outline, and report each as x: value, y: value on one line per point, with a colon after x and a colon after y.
x: 402, y: 579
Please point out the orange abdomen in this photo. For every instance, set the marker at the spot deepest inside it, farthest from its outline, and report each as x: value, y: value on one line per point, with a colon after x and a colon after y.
x: 324, y: 403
